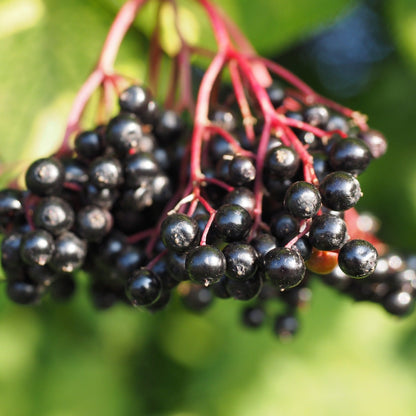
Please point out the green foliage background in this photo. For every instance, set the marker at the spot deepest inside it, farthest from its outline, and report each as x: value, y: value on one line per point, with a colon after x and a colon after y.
x: 64, y: 360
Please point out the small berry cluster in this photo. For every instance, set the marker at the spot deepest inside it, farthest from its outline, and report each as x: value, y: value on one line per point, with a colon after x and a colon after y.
x: 79, y: 211
x: 121, y: 208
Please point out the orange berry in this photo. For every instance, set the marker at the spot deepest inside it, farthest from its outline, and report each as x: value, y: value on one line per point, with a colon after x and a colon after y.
x: 322, y: 262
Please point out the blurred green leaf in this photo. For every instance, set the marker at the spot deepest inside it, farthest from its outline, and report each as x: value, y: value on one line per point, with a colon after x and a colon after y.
x: 45, y: 59
x: 402, y: 14
x: 270, y: 25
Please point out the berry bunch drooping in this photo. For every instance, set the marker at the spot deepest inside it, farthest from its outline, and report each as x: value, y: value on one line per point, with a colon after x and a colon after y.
x: 251, y: 200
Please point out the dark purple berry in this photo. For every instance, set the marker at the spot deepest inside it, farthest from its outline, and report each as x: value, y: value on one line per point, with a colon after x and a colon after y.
x: 106, y: 172
x: 135, y: 99
x: 93, y: 223
x: 284, y: 267
x: 143, y: 288
x: 69, y: 254
x: 357, y: 258
x: 302, y: 200
x: 53, y: 214
x: 205, y: 265
x: 327, y: 232
x: 340, y: 191
x: 232, y: 222
x: 37, y: 247
x: 283, y: 162
x: 45, y: 176
x: 179, y: 232
x: 241, y: 171
x: 89, y: 145
x: 123, y: 134
x: 242, y: 261
x: 139, y: 169
x: 350, y: 155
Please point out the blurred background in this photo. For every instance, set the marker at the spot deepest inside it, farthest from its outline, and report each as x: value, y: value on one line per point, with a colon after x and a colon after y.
x: 348, y: 358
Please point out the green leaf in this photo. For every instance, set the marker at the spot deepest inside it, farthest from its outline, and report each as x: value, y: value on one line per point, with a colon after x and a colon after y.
x: 403, y: 23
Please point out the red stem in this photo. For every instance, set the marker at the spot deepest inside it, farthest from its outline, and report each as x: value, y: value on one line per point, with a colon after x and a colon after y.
x: 104, y: 68
x: 230, y: 139
x: 248, y: 119
x: 201, y: 113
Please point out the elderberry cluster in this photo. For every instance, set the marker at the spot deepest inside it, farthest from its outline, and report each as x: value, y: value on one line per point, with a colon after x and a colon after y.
x: 112, y: 209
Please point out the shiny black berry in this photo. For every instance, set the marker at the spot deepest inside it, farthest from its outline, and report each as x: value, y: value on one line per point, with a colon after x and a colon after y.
x: 179, y: 232
x: 205, y: 265
x: 93, y: 223
x: 242, y: 261
x: 123, y: 134
x: 337, y: 122
x: 128, y: 260
x: 106, y: 172
x: 219, y: 147
x: 37, y: 247
x: 302, y: 200
x: 143, y: 288
x: 232, y: 222
x: 140, y: 168
x: 135, y: 99
x: 327, y: 232
x: 283, y: 162
x: 350, y: 155
x: 101, y: 197
x: 357, y: 258
x: 53, y: 214
x: 284, y: 267
x: 42, y: 275
x: 241, y: 171
x: 69, y: 254
x: 10, y: 251
x: 45, y: 176
x: 340, y: 191
x: 89, y: 144
x: 224, y: 118
x: 75, y: 171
